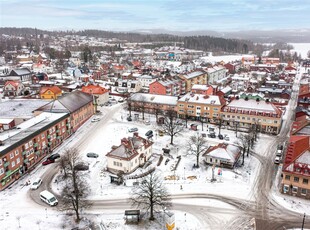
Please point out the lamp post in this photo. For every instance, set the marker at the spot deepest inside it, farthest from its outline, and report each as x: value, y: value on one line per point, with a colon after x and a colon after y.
x: 303, y: 222
x: 46, y: 212
x: 184, y: 173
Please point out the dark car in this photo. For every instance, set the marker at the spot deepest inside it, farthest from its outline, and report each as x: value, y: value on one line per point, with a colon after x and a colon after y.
x: 93, y: 155
x: 211, y: 135
x: 54, y: 156
x: 129, y: 119
x: 149, y: 133
x: 48, y: 161
x: 81, y: 167
x: 220, y: 136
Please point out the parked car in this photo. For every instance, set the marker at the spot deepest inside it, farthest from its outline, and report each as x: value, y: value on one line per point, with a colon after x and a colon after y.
x: 212, y: 135
x: 54, y: 156
x: 121, y: 100
x: 147, y: 122
x: 280, y: 147
x: 220, y: 136
x: 95, y: 119
x: 149, y: 133
x: 92, y: 155
x: 161, y: 133
x: 279, y: 153
x: 129, y: 118
x: 48, y: 161
x: 81, y: 167
x: 134, y: 129
x: 48, y: 198
x: 277, y: 160
x: 36, y: 184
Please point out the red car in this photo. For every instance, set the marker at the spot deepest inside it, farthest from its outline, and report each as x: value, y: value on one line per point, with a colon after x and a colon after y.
x: 48, y: 161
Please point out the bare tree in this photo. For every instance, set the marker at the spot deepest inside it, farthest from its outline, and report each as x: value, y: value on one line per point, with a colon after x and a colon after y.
x: 76, y: 188
x: 157, y: 111
x: 242, y: 143
x: 220, y: 122
x: 170, y: 126
x: 203, y: 120
x: 142, y: 102
x: 150, y: 194
x: 236, y: 126
x: 197, y: 145
x: 129, y: 105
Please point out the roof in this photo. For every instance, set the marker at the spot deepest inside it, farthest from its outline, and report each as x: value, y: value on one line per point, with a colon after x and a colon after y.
x: 252, y: 105
x: 225, y: 152
x: 20, y: 72
x: 298, y: 153
x: 155, y: 99
x: 13, y: 83
x: 68, y: 103
x: 55, y: 89
x: 202, y: 99
x: 193, y: 74
x: 128, y: 148
x: 94, y: 89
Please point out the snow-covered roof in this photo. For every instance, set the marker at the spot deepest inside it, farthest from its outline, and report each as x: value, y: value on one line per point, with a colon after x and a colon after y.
x: 193, y: 74
x: 200, y: 98
x: 155, y: 99
x: 224, y: 152
x: 200, y: 87
x: 252, y: 104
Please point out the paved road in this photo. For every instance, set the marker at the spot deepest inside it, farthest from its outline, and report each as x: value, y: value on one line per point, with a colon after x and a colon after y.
x: 265, y: 209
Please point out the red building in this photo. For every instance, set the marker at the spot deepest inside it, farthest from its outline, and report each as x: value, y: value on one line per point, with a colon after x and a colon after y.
x: 168, y: 86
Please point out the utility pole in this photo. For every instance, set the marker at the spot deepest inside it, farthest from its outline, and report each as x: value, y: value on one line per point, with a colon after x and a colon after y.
x: 303, y: 222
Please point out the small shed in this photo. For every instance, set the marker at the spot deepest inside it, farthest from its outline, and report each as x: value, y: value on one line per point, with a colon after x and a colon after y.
x: 132, y: 216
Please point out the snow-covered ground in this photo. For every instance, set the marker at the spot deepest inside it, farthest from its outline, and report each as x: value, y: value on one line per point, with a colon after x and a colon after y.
x: 301, y: 48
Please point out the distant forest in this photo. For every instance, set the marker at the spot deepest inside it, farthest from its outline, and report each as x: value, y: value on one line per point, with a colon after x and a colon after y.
x: 205, y: 43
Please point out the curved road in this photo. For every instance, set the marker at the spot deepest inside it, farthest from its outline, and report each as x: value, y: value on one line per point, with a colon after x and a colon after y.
x: 271, y: 214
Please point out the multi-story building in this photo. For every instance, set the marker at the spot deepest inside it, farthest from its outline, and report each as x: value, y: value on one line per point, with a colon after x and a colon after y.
x: 216, y: 73
x: 128, y: 86
x: 269, y: 68
x: 22, y: 148
x: 296, y: 167
x: 200, y: 106
x: 133, y: 152
x: 100, y: 94
x: 196, y: 77
x: 247, y: 112
x: 169, y: 86
x: 152, y: 103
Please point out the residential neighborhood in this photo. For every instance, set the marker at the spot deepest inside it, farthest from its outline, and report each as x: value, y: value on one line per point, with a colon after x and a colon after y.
x: 211, y: 130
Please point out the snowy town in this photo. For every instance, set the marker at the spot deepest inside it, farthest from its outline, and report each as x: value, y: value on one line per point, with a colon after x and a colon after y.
x: 151, y: 138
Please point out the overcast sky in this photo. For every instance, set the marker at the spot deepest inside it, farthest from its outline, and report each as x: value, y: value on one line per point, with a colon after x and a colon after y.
x: 180, y: 15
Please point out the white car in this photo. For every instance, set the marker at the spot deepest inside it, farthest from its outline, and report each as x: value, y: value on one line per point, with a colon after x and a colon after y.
x: 277, y: 160
x: 95, y: 119
x: 134, y: 129
x: 36, y: 184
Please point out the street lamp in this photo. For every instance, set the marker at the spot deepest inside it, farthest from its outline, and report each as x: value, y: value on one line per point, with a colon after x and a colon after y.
x: 46, y: 212
x: 184, y: 173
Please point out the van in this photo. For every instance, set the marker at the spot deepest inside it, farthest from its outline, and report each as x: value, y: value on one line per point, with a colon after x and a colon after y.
x: 48, y: 198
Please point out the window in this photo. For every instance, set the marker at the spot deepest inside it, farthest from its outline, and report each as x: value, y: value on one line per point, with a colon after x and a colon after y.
x: 13, y: 164
x: 210, y: 159
x: 287, y: 177
x: 294, y: 189
x: 1, y: 171
x: 303, y: 191
x: 286, y: 188
x: 11, y: 155
x: 0, y: 162
x: 275, y: 122
x: 296, y: 179
x: 17, y: 161
x: 305, y: 181
x: 42, y: 135
x: 16, y: 152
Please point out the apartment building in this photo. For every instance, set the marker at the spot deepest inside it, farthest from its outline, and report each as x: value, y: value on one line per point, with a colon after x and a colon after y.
x: 196, y: 77
x: 198, y: 106
x: 296, y: 167
x: 168, y: 86
x: 247, y: 112
x: 216, y: 73
x: 22, y: 148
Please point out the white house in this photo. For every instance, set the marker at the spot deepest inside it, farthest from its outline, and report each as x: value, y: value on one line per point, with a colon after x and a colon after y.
x: 132, y: 153
x: 223, y: 155
x: 216, y: 73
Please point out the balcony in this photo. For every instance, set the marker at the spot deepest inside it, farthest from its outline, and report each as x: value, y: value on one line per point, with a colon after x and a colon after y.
x: 26, y: 160
x: 6, y: 164
x: 35, y: 144
x: 37, y: 152
x: 58, y: 137
x: 48, y: 136
x: 9, y: 172
x: 57, y: 131
x: 68, y: 124
x: 24, y: 153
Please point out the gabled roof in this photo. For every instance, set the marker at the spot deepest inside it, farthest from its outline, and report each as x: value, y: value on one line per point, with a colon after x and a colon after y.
x: 19, y: 72
x: 68, y: 103
x: 296, y: 147
x: 226, y: 152
x: 12, y: 83
x: 94, y: 89
x: 55, y: 89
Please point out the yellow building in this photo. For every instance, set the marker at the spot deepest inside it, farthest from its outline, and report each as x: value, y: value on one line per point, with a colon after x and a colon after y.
x: 200, y: 106
x: 197, y: 77
x: 246, y: 112
x: 50, y: 92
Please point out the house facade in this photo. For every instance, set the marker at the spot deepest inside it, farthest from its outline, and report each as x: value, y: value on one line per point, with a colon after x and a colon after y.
x: 296, y: 168
x: 168, y: 86
x: 200, y: 106
x: 196, y: 77
x: 13, y: 88
x: 132, y: 153
x: 100, y: 94
x: 216, y: 73
x: 244, y: 113
x: 50, y: 92
x: 222, y: 155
